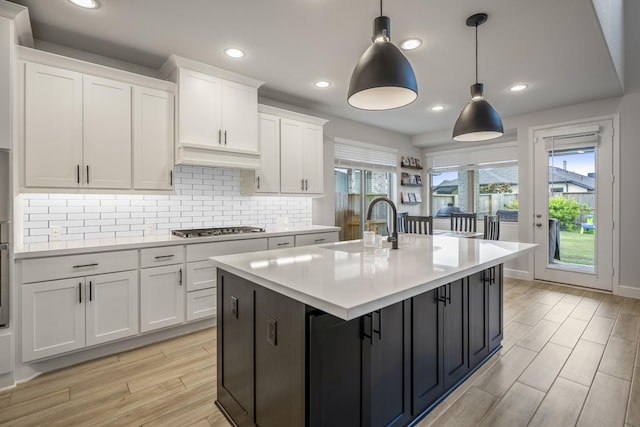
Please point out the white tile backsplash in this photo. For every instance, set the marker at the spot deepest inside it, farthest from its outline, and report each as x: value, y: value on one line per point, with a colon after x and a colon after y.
x: 205, y: 197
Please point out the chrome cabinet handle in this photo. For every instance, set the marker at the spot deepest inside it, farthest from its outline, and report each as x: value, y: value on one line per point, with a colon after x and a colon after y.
x: 94, y: 264
x: 164, y: 256
x: 283, y: 244
x: 319, y: 240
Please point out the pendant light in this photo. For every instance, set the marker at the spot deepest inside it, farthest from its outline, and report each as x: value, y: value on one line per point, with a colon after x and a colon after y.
x: 478, y: 121
x: 383, y: 78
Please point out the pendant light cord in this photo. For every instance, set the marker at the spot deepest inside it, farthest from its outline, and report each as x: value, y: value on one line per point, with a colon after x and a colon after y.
x: 476, y: 51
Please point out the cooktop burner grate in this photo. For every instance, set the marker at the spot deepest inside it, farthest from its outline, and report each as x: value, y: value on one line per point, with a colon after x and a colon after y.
x: 216, y: 231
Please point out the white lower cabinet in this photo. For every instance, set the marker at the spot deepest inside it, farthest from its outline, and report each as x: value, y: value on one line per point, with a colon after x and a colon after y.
x: 162, y: 297
x: 201, y: 304
x: 64, y: 315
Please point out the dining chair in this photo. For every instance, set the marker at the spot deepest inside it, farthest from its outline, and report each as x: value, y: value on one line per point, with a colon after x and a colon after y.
x: 402, y: 219
x: 464, y: 222
x: 491, y: 227
x: 419, y: 224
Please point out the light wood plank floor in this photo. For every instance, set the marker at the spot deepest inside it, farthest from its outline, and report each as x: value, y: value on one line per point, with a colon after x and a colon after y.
x: 569, y: 357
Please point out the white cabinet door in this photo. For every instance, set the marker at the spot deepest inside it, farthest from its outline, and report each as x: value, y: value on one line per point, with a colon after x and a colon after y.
x: 200, y: 275
x: 52, y: 318
x: 112, y: 306
x: 268, y: 176
x: 200, y: 109
x: 201, y: 304
x: 152, y: 139
x: 107, y: 133
x: 53, y: 127
x: 291, y: 149
x: 312, y: 158
x: 239, y: 117
x: 162, y: 297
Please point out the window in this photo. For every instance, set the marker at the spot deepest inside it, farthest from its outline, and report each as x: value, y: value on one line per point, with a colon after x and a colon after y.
x: 484, y: 182
x: 362, y: 172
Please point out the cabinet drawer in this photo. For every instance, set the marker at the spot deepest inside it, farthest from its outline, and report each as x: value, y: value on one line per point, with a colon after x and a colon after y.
x: 201, y: 304
x: 316, y: 238
x: 41, y: 269
x: 200, y: 275
x: 281, y: 242
x: 166, y: 255
x: 202, y: 251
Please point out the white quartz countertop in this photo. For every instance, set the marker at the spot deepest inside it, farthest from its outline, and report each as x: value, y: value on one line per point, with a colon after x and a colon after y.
x: 73, y: 247
x: 347, y: 280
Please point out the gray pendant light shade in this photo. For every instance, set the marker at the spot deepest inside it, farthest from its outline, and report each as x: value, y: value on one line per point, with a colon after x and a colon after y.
x: 478, y: 121
x: 383, y: 78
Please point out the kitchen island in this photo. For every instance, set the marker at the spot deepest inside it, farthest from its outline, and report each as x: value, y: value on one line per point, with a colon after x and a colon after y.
x: 342, y: 335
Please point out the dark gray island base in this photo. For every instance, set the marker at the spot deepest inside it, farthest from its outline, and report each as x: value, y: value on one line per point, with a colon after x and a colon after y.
x: 283, y: 363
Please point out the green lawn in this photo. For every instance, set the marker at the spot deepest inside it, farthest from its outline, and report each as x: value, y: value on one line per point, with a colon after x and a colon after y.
x: 577, y: 248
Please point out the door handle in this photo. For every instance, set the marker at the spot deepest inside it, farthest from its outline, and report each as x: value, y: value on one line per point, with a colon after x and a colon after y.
x: 258, y: 179
x: 225, y: 137
x: 180, y: 277
x: 87, y: 174
x: 538, y: 215
x: 78, y: 173
x: 90, y: 290
x: 80, y: 292
x: 538, y: 224
x: 171, y: 178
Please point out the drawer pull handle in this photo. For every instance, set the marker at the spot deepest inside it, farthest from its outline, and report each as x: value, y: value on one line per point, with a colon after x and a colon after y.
x: 319, y: 240
x: 283, y: 244
x: 164, y: 256
x: 94, y: 264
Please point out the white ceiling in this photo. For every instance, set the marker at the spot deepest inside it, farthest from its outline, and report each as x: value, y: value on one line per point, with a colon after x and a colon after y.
x: 555, y: 46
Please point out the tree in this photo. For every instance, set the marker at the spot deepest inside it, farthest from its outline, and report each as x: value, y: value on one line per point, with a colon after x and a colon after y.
x: 496, y: 187
x: 566, y: 211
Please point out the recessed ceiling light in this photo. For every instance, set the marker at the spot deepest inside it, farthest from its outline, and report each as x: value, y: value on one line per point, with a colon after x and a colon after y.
x: 410, y: 44
x: 518, y: 87
x: 322, y: 84
x: 437, y: 108
x: 234, y: 52
x: 87, y: 4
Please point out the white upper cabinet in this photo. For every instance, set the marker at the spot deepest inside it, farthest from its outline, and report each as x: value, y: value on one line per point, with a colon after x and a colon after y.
x: 152, y: 139
x: 107, y: 133
x: 301, y: 162
x: 267, y: 178
x: 200, y: 109
x: 217, y: 117
x: 53, y: 127
x: 81, y: 130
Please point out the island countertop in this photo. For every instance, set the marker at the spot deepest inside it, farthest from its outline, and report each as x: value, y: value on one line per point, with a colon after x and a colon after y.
x: 347, y: 280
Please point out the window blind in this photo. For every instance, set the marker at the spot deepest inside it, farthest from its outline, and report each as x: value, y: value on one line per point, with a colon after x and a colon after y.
x: 360, y: 155
x: 505, y: 155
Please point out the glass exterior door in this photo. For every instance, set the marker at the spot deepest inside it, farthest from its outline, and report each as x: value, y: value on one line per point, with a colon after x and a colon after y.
x: 574, y: 208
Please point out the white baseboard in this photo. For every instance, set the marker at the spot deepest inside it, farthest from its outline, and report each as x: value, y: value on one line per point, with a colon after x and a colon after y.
x: 628, y: 291
x: 518, y: 274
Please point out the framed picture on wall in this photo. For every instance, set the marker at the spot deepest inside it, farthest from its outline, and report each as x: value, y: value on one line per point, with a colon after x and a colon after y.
x: 418, y: 180
x: 412, y: 162
x: 406, y: 179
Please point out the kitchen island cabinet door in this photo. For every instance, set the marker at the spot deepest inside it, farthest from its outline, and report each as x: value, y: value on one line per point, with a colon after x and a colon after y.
x: 236, y: 355
x: 162, y: 297
x: 427, y: 350
x: 456, y: 332
x: 280, y: 360
x: 335, y: 371
x: 386, y: 380
x: 478, y: 317
x: 53, y: 127
x: 496, y: 308
x: 53, y: 318
x: 112, y: 306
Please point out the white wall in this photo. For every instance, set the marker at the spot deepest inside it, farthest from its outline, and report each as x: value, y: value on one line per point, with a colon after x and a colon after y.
x: 628, y: 108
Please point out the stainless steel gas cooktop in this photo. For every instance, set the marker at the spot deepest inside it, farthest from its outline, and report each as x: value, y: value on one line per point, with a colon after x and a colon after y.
x: 216, y: 231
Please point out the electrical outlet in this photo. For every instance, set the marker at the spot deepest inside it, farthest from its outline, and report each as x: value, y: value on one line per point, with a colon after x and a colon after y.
x: 55, y: 233
x: 151, y: 229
